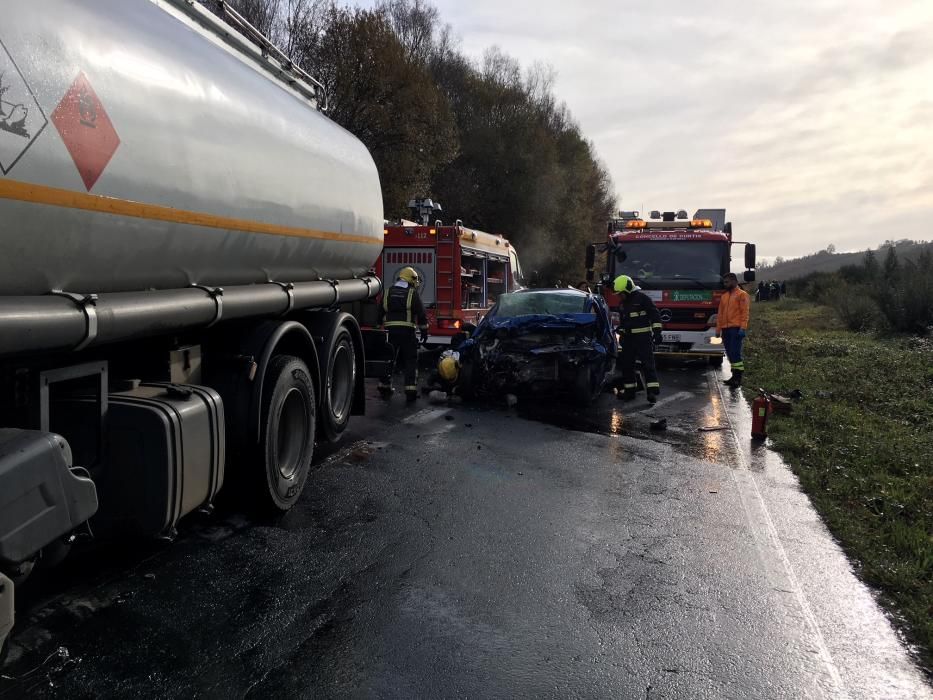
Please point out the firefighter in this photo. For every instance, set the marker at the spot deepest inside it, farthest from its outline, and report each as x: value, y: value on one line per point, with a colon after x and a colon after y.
x: 731, y: 325
x: 401, y: 313
x: 640, y: 324
x: 446, y: 374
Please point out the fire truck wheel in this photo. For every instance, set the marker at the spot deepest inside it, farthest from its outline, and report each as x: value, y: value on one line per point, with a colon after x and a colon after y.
x: 287, y: 432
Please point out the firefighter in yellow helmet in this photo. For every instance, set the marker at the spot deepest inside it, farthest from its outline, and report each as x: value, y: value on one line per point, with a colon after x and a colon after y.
x: 402, y: 314
x: 639, y: 325
x: 448, y: 369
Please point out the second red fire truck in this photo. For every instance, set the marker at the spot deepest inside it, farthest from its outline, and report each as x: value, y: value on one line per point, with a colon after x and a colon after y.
x: 678, y: 262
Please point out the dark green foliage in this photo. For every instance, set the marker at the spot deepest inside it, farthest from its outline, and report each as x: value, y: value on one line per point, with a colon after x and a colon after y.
x: 487, y: 140
x: 894, y: 296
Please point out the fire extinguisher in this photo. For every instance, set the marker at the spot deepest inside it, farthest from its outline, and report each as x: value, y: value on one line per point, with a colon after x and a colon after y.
x: 761, y: 409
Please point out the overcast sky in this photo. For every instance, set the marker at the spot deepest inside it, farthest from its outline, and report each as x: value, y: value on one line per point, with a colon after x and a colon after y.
x: 810, y: 121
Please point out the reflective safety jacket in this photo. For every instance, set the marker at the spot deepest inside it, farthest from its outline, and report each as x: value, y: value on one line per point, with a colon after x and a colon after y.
x: 638, y: 314
x: 402, y: 308
x: 733, y: 310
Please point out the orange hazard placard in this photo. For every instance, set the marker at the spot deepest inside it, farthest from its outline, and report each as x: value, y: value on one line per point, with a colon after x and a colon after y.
x: 86, y: 130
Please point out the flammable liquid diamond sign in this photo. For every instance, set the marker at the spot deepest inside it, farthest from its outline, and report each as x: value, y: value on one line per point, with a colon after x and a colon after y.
x: 86, y: 130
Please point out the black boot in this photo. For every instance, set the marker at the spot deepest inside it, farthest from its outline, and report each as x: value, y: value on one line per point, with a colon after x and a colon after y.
x: 652, y: 397
x: 626, y: 395
x: 736, y: 381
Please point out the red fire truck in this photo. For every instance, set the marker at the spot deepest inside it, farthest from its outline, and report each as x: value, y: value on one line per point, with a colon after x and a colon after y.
x: 679, y: 263
x: 463, y: 270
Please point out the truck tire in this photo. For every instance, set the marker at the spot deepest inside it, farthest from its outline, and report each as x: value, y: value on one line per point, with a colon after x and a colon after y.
x: 339, y: 383
x: 288, y: 421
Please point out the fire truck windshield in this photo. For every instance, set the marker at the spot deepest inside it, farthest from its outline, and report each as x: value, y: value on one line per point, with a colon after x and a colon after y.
x: 671, y: 264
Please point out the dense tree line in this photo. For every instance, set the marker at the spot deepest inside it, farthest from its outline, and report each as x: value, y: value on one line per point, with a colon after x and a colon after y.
x: 891, y: 293
x: 487, y: 139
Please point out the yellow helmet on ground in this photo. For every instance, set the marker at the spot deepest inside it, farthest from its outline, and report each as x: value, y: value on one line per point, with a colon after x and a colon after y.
x: 448, y: 369
x: 623, y: 284
x: 410, y: 275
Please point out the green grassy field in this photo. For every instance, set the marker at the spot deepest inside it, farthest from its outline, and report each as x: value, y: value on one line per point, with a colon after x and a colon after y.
x: 861, y: 443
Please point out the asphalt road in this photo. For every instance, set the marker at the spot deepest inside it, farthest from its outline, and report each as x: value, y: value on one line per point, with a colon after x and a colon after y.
x: 488, y: 552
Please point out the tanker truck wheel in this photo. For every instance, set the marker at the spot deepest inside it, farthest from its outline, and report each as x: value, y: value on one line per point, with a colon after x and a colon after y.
x: 339, y: 384
x: 287, y: 427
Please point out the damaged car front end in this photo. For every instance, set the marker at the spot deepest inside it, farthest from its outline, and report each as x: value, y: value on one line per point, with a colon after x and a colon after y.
x: 542, y: 342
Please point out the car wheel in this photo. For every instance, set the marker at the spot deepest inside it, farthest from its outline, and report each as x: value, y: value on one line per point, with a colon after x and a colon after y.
x: 466, y: 387
x: 584, y: 387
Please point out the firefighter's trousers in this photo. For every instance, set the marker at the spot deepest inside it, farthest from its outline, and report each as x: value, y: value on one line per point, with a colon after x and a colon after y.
x: 639, y: 346
x: 732, y: 342
x: 405, y: 343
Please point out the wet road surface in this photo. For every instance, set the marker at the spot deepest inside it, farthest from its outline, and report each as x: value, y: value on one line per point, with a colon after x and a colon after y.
x: 461, y: 551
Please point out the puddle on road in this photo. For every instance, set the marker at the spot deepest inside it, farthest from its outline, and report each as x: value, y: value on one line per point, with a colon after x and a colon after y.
x: 698, y: 407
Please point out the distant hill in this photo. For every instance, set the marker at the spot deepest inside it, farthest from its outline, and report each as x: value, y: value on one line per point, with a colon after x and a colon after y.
x: 826, y: 261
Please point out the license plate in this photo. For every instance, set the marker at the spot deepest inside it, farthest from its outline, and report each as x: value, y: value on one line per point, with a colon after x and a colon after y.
x: 670, y: 337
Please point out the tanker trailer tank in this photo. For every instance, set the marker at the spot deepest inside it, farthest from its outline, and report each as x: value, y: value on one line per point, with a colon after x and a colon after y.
x: 175, y: 210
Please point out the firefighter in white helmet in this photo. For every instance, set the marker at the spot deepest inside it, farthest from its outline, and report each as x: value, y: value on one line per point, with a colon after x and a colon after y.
x: 402, y: 314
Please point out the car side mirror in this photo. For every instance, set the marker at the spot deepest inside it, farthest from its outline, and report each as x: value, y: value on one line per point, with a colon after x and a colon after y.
x: 749, y: 255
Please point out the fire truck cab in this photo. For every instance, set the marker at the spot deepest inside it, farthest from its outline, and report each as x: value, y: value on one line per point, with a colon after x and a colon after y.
x: 463, y: 270
x: 679, y: 263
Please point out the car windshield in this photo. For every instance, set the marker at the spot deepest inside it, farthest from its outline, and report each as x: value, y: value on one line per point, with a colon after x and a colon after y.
x: 549, y: 303
x: 654, y: 264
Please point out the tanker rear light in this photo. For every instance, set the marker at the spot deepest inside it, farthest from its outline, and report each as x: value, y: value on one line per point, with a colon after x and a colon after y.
x: 701, y: 223
x: 385, y: 232
x: 636, y: 224
x: 432, y: 231
x: 448, y: 323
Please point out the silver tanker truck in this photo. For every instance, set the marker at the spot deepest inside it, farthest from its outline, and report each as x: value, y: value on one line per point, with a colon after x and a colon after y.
x: 183, y: 235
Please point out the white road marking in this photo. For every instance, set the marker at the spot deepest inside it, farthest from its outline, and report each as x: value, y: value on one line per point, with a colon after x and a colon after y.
x: 425, y: 416
x: 667, y: 400
x: 748, y: 486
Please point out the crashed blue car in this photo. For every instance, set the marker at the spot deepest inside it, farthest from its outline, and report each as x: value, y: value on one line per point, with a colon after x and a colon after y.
x: 541, y: 342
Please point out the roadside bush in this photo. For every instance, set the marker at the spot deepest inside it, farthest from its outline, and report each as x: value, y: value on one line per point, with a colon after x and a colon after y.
x: 854, y: 305
x: 895, y: 296
x: 906, y: 298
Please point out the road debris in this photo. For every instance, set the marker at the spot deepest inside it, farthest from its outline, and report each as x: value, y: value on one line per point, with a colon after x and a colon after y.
x: 437, y: 397
x: 659, y: 425
x: 710, y: 428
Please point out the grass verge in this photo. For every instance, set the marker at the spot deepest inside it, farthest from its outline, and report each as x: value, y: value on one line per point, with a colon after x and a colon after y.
x: 861, y: 443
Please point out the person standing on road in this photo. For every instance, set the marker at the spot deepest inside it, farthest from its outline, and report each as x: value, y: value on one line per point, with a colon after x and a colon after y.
x: 401, y: 309
x: 732, y: 324
x: 640, y: 323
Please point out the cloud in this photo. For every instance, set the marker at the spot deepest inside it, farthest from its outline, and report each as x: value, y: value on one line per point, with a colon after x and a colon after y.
x: 811, y: 121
